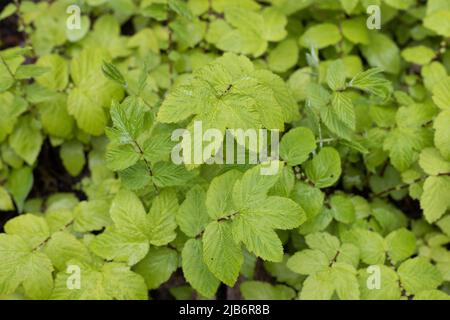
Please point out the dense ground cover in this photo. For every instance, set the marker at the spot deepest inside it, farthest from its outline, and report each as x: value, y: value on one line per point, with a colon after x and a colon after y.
x: 100, y: 200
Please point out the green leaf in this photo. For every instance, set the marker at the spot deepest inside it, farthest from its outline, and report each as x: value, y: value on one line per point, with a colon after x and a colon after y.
x: 355, y: 30
x: 91, y: 285
x: 219, y: 195
x: 320, y: 36
x: 157, y: 266
x: 116, y: 245
x: 277, y: 212
x: 257, y: 290
x: 158, y: 147
x: 192, y: 216
x: 420, y: 55
x: 89, y: 116
x: 58, y: 76
x: 336, y: 75
x: 91, y: 215
x: 432, y: 162
x: 441, y: 94
x: 432, y: 295
x: 444, y: 224
x: 32, y: 229
x: 249, y: 37
x: 418, y: 274
x: 167, y: 174
x: 111, y: 72
x: 296, y: 146
x: 8, y: 10
x: 8, y: 66
x: 318, y: 286
x: 342, y: 209
x: 19, y: 185
x: 227, y: 93
x: 308, y: 262
x: 400, y: 244
x: 340, y: 116
x: 285, y: 183
x: 432, y: 74
x: 104, y: 282
x: 284, y: 56
x: 258, y: 237
x: 433, y: 204
x: 371, y: 245
x: 22, y: 266
x: 382, y: 52
x: 400, y: 4
x: 309, y: 198
x: 93, y: 91
x: 11, y: 108
x: 318, y: 96
x: 438, y: 22
x: 345, y: 281
x: 389, y: 284
x: 180, y: 8
x: 128, y: 214
x: 325, y: 243
x: 196, y: 271
x: 220, y: 253
x: 135, y: 177
x: 348, y: 254
x: 26, y: 139
x: 74, y: 35
x: 349, y: 5
x: 63, y: 247
x: 55, y: 118
x: 72, y: 155
x: 372, y: 82
x: 274, y: 24
x: 442, y: 133
x: 127, y: 240
x: 120, y: 157
x: 122, y: 284
x: 161, y: 218
x: 188, y: 33
x: 297, y: 83
x: 283, y: 98
x: 173, y: 109
x: 252, y: 188
x: 6, y: 203
x: 404, y: 145
x: 415, y: 115
x: 156, y: 11
x: 325, y: 168
x: 24, y: 72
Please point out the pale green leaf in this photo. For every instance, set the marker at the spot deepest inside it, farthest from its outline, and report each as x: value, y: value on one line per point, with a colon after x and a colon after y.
x: 157, y: 266
x: 418, y: 274
x: 196, y: 271
x: 220, y: 253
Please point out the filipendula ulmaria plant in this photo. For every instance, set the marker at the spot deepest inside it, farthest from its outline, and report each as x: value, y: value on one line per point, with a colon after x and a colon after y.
x: 364, y: 154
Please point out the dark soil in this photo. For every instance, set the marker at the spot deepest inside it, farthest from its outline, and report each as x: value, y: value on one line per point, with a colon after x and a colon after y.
x: 9, y: 34
x: 51, y: 177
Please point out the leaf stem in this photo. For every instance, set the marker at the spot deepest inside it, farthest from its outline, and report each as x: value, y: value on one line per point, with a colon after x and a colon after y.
x: 44, y: 242
x: 147, y: 164
x: 7, y: 68
x: 406, y: 185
